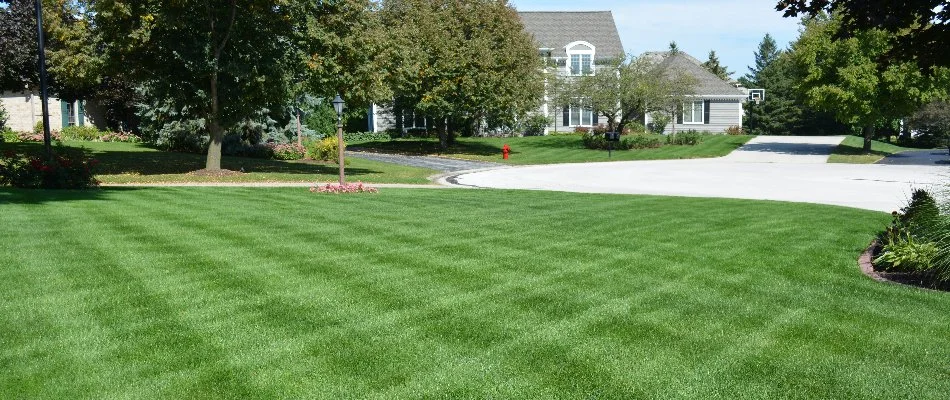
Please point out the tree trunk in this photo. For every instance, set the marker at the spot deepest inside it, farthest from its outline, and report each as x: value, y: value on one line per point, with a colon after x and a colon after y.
x: 443, y: 135
x: 868, y: 135
x: 214, y: 127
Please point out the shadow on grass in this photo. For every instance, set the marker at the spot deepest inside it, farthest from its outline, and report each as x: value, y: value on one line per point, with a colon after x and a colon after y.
x: 42, y: 196
x: 145, y: 160
x: 426, y: 147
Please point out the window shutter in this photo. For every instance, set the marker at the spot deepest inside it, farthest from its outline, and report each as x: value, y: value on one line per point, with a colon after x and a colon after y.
x: 594, y: 118
x: 65, y: 111
x: 679, y: 115
x: 567, y: 116
x: 706, y: 112
x: 81, y: 113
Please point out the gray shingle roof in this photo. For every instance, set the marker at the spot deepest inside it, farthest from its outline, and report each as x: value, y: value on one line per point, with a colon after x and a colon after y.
x: 709, y: 84
x: 556, y: 29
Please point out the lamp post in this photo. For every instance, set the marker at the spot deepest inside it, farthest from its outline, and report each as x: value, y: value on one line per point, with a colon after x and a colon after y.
x: 338, y: 106
x: 47, y: 139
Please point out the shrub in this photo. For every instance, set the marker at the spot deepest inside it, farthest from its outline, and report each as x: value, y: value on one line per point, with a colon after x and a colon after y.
x: 120, y: 137
x: 735, y: 130
x: 37, y: 137
x: 634, y: 129
x: 4, y: 117
x: 917, y: 240
x: 904, y: 253
x: 358, y: 187
x: 658, y: 122
x: 643, y: 141
x: 38, y: 128
x: 326, y: 149
x: 688, y: 138
x: 66, y: 170
x: 535, y: 125
x: 365, y: 137
x: 287, y: 151
x: 582, y: 129
x: 76, y: 132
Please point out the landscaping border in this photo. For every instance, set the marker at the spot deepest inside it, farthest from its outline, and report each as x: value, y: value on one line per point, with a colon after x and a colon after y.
x: 867, y: 268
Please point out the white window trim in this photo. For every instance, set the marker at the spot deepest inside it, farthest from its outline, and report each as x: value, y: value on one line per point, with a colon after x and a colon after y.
x: 583, y: 110
x: 570, y: 50
x: 702, y: 114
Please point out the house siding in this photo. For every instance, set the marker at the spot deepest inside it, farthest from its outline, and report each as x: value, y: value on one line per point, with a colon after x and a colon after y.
x: 722, y: 115
x: 26, y: 109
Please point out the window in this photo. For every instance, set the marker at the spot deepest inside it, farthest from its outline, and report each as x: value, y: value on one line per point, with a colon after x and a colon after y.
x: 581, y: 114
x: 411, y: 119
x: 693, y: 112
x: 71, y: 114
x: 580, y: 58
x: 581, y: 64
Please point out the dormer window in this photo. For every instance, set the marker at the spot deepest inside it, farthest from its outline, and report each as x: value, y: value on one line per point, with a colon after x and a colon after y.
x: 580, y: 57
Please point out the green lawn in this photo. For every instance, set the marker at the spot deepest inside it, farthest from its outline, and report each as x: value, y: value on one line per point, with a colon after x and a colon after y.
x: 277, y: 293
x: 551, y: 149
x: 136, y: 163
x: 851, y: 151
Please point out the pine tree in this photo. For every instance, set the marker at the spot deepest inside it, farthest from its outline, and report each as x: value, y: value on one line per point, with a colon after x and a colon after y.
x: 715, y: 67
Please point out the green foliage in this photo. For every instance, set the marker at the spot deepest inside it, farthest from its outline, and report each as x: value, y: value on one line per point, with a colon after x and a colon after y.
x: 76, y: 132
x: 321, y: 119
x: 712, y: 65
x: 597, y: 141
x: 932, y: 123
x: 67, y: 169
x: 365, y: 136
x: 918, y: 240
x: 658, y: 122
x: 4, y: 117
x: 287, y: 151
x: 462, y: 60
x: 38, y: 128
x: 326, y: 149
x: 535, y: 125
x: 903, y: 253
x: 687, y: 138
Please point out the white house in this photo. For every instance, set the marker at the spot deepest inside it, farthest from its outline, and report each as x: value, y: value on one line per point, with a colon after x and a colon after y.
x: 25, y: 109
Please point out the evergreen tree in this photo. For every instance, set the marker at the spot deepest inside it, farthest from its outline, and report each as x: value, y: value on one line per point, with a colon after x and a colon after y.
x: 767, y: 54
x: 715, y: 67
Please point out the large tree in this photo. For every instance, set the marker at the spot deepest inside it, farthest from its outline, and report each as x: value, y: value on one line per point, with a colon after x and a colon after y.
x: 843, y: 76
x: 462, y: 61
x: 712, y: 65
x: 71, y: 61
x: 622, y: 90
x: 221, y: 59
x: 920, y: 27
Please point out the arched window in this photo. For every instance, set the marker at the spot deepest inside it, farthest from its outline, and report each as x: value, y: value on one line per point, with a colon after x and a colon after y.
x: 580, y: 58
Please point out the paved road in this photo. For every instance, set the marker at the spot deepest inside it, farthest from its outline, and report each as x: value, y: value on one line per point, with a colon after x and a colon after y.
x: 779, y: 174
x: 918, y: 157
x: 430, y: 162
x: 786, y: 149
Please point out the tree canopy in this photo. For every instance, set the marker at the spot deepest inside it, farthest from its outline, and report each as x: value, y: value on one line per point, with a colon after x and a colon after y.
x: 920, y: 27
x: 713, y: 65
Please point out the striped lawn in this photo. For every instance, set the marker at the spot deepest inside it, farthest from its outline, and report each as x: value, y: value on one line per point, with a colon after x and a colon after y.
x: 275, y: 293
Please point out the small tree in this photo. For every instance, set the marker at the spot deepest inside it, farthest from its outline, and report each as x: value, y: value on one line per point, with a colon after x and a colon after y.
x: 933, y: 121
x: 713, y: 65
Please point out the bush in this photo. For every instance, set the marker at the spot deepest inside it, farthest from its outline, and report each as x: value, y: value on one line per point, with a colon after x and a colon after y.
x: 688, y: 138
x: 599, y: 142
x: 287, y: 151
x: 535, y: 125
x: 658, y: 122
x: 365, y: 137
x: 4, y: 118
x: 326, y: 149
x: 38, y: 128
x: 66, y: 170
x: 120, y: 137
x: 582, y: 129
x: 36, y: 137
x: 75, y: 132
x: 917, y: 240
x: 643, y: 141
x: 735, y: 130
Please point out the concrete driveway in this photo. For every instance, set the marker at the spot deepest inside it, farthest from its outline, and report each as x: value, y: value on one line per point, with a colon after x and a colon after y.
x: 770, y: 168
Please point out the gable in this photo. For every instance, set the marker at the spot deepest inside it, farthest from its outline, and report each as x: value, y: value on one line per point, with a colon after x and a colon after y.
x: 557, y: 29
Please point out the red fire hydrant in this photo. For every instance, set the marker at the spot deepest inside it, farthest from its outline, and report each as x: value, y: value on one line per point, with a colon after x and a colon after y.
x: 505, y: 150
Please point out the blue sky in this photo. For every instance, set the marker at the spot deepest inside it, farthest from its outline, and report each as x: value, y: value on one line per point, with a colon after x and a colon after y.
x: 733, y: 28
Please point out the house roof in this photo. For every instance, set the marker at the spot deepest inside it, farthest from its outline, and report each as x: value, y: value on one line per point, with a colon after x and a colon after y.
x: 556, y: 29
x: 708, y: 83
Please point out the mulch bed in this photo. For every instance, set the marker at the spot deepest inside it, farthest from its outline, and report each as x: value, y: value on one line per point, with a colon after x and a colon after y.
x: 215, y: 172
x: 902, y: 278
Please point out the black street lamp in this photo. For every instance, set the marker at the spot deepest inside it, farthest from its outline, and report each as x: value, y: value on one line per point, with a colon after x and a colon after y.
x: 338, y: 106
x: 47, y: 138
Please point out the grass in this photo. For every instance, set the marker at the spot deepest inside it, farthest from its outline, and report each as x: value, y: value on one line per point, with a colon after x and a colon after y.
x: 851, y: 151
x: 275, y: 293
x: 551, y: 149
x: 137, y: 163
